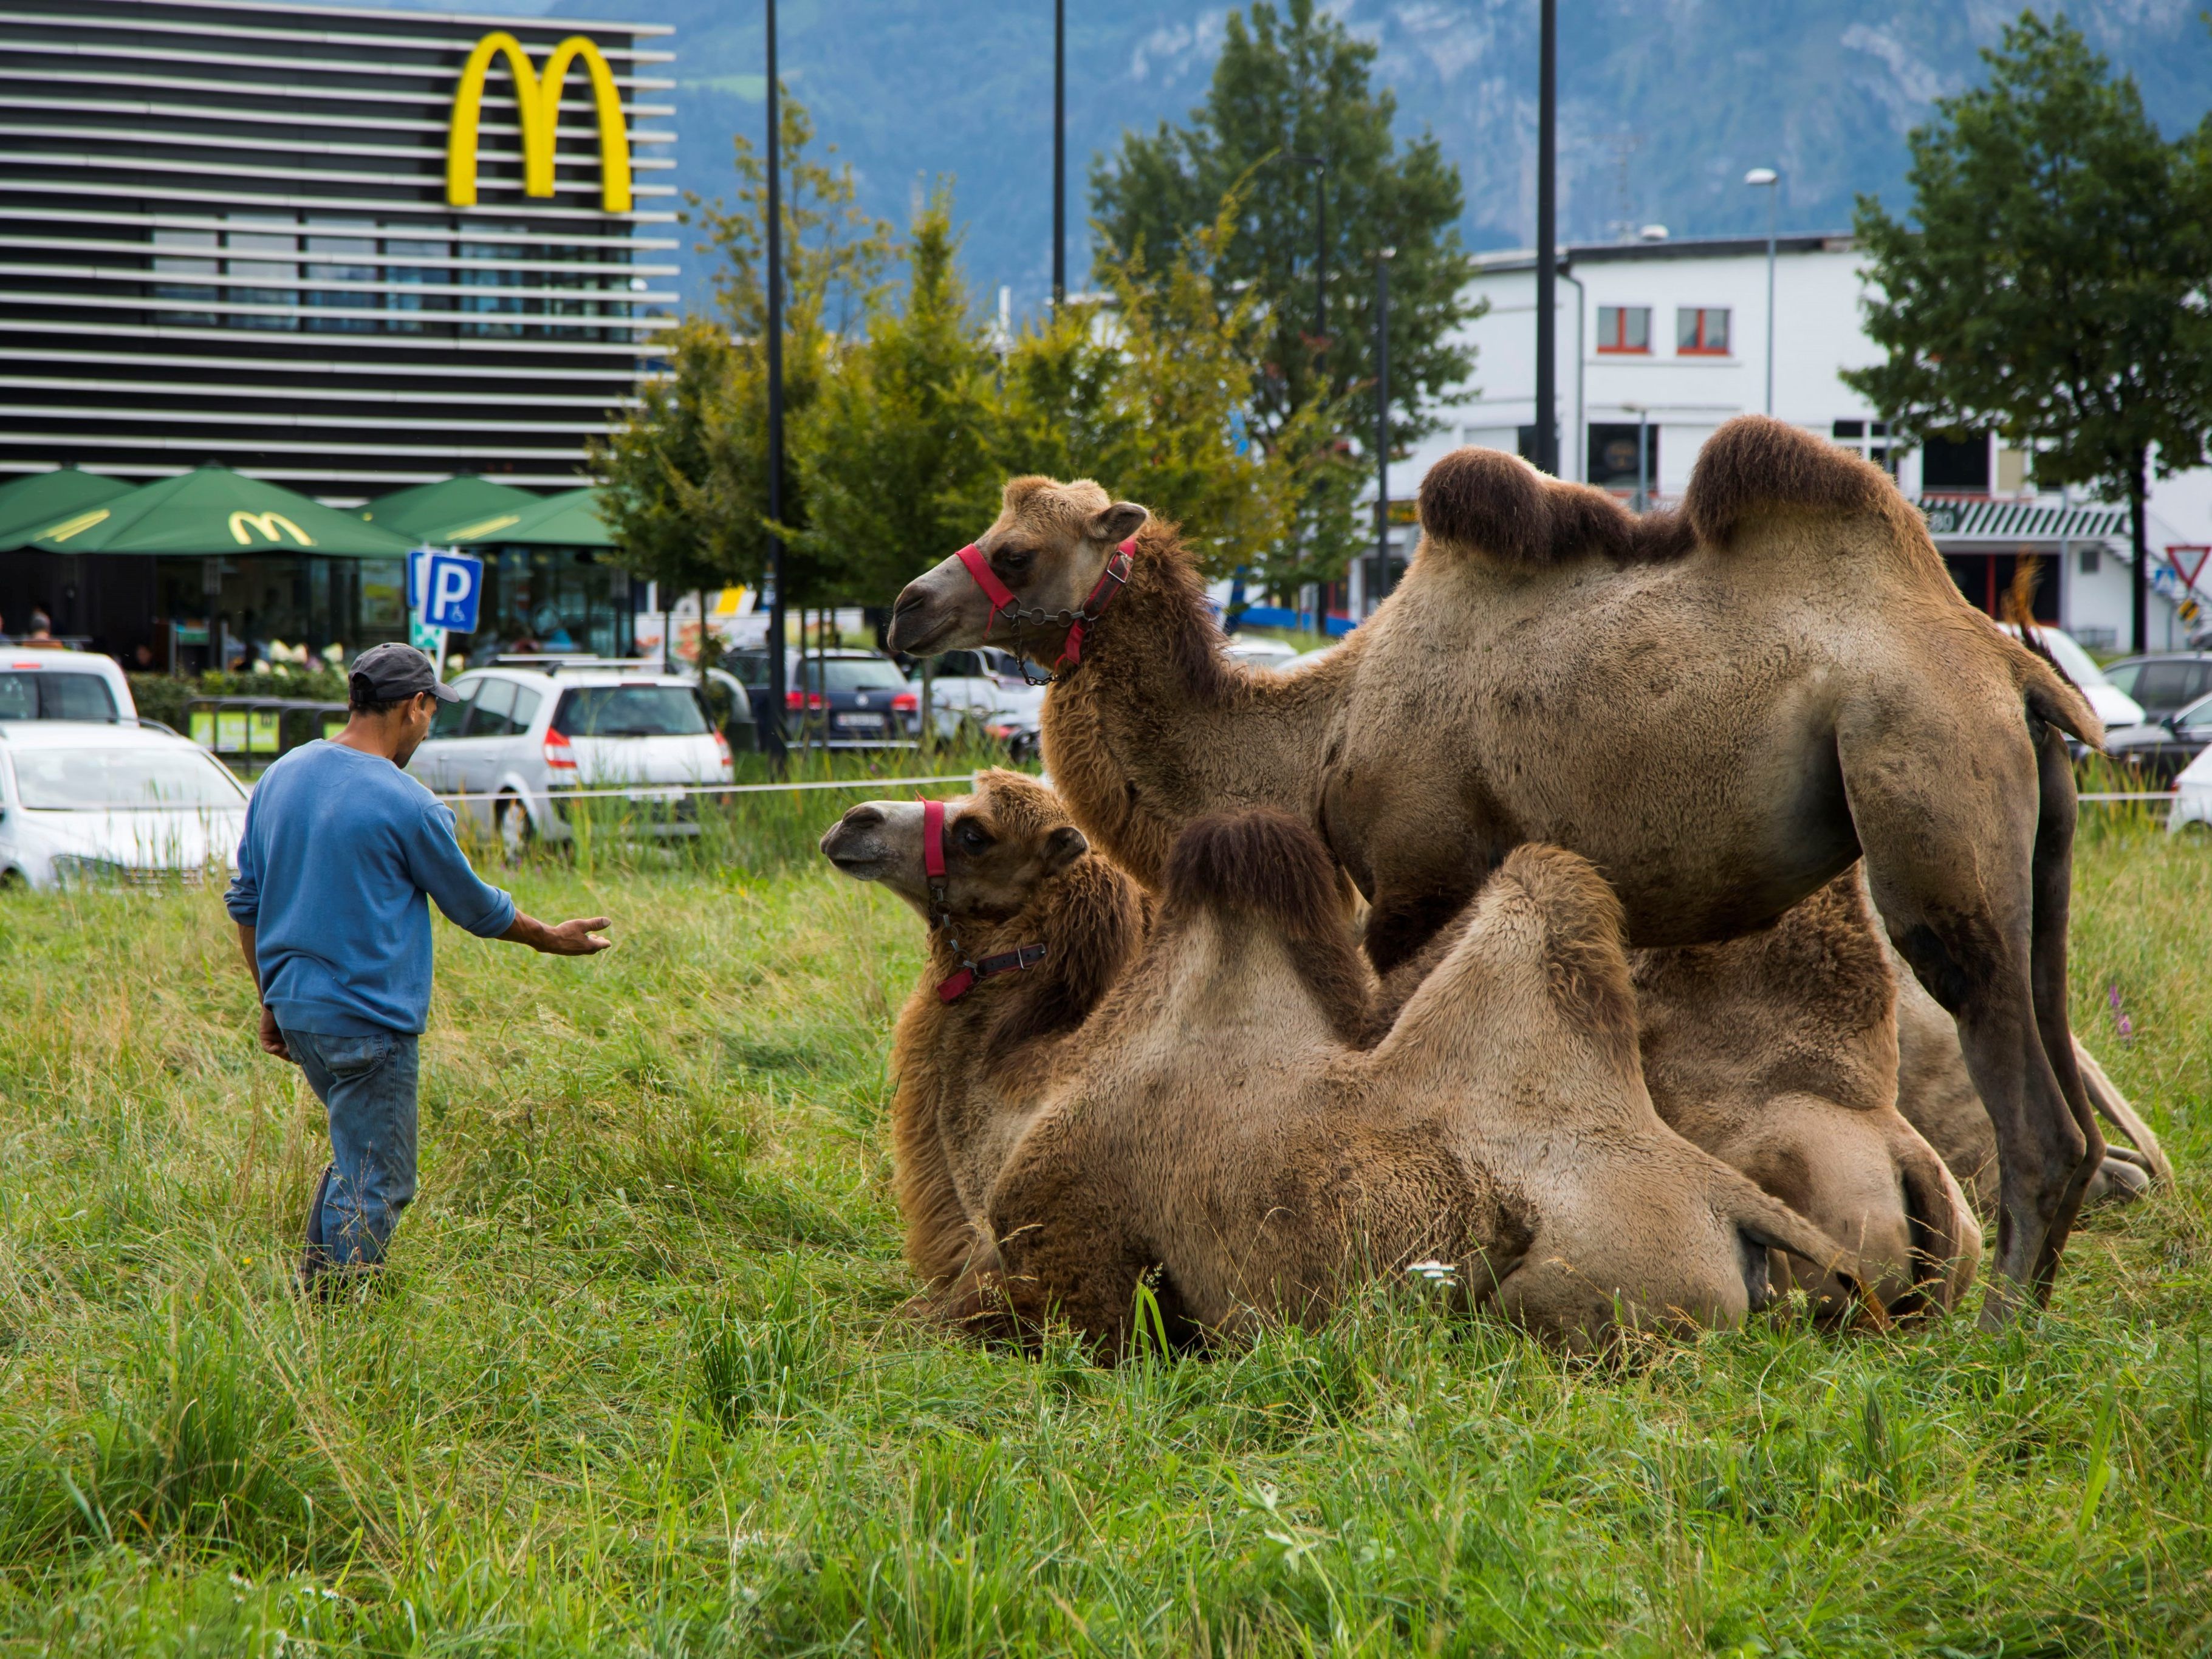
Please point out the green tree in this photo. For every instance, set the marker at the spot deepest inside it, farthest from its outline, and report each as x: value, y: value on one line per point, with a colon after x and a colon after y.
x: 1151, y: 394
x: 688, y: 466
x: 1289, y: 85
x: 890, y: 454
x: 2051, y: 286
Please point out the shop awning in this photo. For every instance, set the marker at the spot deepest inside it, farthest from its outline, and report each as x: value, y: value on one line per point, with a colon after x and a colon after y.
x: 568, y: 520
x: 31, y: 506
x: 2008, y: 523
x: 213, y: 512
x: 439, y: 514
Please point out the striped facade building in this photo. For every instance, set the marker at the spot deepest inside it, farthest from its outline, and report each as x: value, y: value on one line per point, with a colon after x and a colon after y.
x: 297, y: 241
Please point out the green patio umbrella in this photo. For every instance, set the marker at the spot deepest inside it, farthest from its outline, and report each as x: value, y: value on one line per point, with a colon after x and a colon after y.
x: 213, y: 511
x: 437, y: 513
x: 568, y: 520
x: 30, y: 507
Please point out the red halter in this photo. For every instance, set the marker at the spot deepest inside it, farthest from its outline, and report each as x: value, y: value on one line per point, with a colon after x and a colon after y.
x: 1110, y: 583
x: 958, y: 984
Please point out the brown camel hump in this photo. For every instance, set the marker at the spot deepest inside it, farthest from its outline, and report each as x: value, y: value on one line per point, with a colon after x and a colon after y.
x: 1486, y: 501
x: 1585, y: 962
x: 1756, y: 461
x: 1273, y: 870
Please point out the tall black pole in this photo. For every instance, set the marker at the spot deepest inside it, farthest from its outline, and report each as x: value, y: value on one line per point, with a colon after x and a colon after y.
x: 1382, y: 418
x: 778, y: 600
x: 1059, y: 153
x: 1321, y: 253
x: 1548, y: 240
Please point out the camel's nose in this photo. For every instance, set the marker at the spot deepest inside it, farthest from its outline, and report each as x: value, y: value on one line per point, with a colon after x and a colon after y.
x: 837, y: 840
x: 863, y: 816
x: 910, y: 619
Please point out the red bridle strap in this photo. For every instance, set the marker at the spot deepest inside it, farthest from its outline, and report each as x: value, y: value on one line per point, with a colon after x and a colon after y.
x: 932, y: 839
x: 1000, y: 596
x: 1111, y: 581
x: 963, y: 980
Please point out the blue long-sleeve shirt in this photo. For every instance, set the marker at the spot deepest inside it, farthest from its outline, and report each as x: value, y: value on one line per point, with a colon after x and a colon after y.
x: 340, y: 850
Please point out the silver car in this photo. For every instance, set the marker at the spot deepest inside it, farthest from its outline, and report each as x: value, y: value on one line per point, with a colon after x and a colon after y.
x: 524, y: 735
x: 89, y: 803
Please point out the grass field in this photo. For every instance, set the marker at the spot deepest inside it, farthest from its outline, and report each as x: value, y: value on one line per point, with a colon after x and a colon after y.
x: 638, y: 1384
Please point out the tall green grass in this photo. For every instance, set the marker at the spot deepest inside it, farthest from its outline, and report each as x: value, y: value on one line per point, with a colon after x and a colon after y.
x: 639, y: 1383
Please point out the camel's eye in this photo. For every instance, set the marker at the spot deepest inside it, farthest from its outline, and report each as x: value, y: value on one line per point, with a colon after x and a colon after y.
x: 971, y: 837
x: 1015, y: 559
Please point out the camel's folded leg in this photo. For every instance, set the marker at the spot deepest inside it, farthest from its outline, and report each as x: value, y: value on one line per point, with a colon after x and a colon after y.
x: 2116, y: 1110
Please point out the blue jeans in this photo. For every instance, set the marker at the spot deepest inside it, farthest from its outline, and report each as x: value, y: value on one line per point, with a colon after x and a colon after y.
x: 367, y: 1085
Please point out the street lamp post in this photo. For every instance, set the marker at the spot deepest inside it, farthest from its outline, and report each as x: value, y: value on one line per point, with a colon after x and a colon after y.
x: 1382, y: 416
x: 1768, y: 179
x: 1547, y: 238
x: 779, y: 601
x: 1320, y: 166
x: 1059, y: 153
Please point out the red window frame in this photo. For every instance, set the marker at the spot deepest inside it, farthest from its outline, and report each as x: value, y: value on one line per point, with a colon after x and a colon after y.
x: 1618, y: 344
x: 1700, y: 349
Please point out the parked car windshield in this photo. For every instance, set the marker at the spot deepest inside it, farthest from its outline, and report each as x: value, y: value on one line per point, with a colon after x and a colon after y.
x: 42, y: 694
x: 78, y: 779
x: 854, y: 674
x: 630, y: 711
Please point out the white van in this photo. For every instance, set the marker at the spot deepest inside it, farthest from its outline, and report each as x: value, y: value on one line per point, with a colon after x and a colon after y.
x: 41, y: 683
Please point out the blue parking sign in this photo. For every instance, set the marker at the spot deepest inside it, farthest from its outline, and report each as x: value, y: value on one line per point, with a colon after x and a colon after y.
x: 453, y: 583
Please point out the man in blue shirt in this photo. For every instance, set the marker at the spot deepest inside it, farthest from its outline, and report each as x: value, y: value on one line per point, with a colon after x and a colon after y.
x: 342, y: 852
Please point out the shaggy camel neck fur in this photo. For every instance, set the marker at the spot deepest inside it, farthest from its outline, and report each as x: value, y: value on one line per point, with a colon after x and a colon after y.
x: 1722, y: 708
x: 1218, y: 1137
x: 968, y: 1069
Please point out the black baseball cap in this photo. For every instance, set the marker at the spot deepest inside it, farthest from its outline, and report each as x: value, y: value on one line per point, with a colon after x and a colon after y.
x: 393, y: 671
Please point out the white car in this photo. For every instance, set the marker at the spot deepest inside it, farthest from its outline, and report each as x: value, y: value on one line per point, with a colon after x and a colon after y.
x: 2114, y: 707
x: 984, y: 687
x: 521, y: 736
x: 1260, y: 651
x: 39, y: 684
x: 88, y: 804
x: 2192, y: 795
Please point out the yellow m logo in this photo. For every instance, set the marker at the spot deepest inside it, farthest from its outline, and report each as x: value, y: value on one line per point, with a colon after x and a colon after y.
x: 268, y: 523
x: 537, y: 102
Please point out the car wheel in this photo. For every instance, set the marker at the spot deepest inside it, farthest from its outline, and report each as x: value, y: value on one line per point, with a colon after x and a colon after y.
x: 516, y: 831
x: 14, y: 881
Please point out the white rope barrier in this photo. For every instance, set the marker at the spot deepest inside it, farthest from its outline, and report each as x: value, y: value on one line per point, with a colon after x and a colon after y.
x: 645, y: 792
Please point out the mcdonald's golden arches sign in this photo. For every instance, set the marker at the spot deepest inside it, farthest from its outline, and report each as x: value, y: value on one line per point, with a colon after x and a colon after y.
x: 537, y: 104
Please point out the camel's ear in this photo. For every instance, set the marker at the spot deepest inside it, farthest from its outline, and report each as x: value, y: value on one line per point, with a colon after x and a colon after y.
x: 1062, y: 848
x: 1018, y: 491
x: 1117, y: 523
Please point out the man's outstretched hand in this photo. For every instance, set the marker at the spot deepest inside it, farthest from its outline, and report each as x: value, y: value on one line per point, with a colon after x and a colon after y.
x: 579, y: 938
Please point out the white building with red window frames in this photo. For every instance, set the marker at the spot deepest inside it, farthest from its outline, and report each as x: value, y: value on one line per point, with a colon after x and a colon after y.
x: 1661, y: 341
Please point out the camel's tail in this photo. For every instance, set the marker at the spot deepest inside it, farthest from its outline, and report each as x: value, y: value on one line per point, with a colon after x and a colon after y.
x: 2116, y: 1110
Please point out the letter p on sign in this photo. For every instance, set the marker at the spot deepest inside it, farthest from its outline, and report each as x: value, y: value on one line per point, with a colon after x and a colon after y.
x: 451, y: 588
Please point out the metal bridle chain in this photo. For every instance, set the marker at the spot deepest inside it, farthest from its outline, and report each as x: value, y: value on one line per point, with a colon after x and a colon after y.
x: 1040, y: 618
x: 940, y: 920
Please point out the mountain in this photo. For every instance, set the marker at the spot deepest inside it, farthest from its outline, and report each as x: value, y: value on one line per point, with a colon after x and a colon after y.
x: 1663, y: 104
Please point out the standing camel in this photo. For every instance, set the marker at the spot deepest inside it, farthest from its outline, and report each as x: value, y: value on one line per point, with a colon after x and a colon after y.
x: 1721, y: 708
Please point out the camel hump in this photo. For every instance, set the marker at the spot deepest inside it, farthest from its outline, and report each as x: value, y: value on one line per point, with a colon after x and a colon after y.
x: 1262, y: 862
x: 1755, y: 462
x: 1496, y: 506
x: 1585, y: 962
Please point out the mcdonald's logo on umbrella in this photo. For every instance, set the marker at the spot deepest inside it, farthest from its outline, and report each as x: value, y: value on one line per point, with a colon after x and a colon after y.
x: 538, y: 105
x: 268, y: 523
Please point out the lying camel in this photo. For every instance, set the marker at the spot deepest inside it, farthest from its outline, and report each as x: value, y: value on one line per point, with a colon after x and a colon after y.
x: 1722, y: 707
x: 1777, y: 1054
x: 1016, y: 880
x: 1212, y: 1132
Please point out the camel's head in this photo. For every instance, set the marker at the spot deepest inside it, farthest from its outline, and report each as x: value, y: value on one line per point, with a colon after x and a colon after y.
x: 1001, y: 845
x: 1048, y: 547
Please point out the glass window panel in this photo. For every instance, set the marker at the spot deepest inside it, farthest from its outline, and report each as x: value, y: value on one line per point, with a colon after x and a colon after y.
x: 526, y: 708
x: 1851, y: 428
x: 68, y: 696
x: 448, y: 721
x: 1636, y: 322
x: 80, y: 779
x: 494, y: 703
x: 630, y: 711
